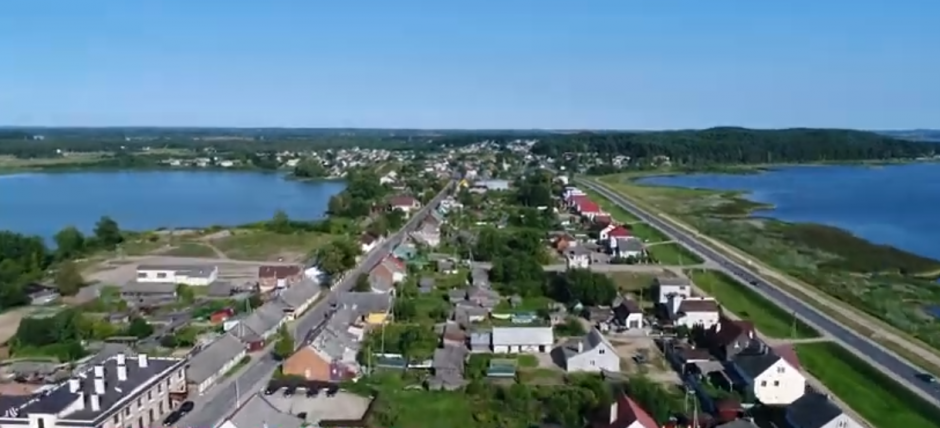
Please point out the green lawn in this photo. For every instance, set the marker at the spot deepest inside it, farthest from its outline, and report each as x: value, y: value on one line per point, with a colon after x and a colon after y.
x: 673, y: 254
x: 619, y: 214
x: 417, y: 408
x: 269, y: 246
x: 769, y: 318
x: 876, y: 397
x: 647, y: 233
x: 191, y: 249
x: 529, y: 304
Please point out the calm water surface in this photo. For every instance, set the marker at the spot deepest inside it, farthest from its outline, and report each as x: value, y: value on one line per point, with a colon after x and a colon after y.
x: 895, y: 205
x: 42, y: 204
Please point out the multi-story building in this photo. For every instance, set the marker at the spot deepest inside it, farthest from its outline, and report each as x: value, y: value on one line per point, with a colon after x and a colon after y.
x: 119, y: 392
x: 194, y: 275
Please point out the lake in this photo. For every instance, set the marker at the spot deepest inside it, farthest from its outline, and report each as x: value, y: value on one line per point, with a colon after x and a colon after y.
x: 43, y: 204
x: 896, y: 205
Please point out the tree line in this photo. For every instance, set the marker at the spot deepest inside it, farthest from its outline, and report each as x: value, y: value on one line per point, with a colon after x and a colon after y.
x: 25, y: 259
x: 736, y: 146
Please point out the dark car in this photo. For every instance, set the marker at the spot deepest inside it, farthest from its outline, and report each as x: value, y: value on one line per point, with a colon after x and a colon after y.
x: 926, y: 377
x: 332, y: 391
x: 172, y: 419
x: 186, y: 407
x: 312, y: 392
x: 289, y: 391
x: 270, y: 390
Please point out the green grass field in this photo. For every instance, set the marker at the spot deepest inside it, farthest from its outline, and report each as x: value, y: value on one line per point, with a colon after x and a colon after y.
x: 647, y: 233
x: 769, y: 318
x: 191, y: 249
x: 673, y: 254
x: 269, y: 246
x: 876, y: 397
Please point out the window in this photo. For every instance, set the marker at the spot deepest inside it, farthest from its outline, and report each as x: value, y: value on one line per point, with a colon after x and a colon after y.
x: 776, y: 383
x: 159, y: 388
x: 149, y: 395
x: 160, y: 408
x: 140, y: 422
x: 140, y: 403
x: 781, y: 369
x: 151, y: 415
x: 141, y: 274
x: 127, y: 411
x: 161, y: 275
x: 763, y: 383
x: 842, y: 423
x: 116, y: 416
x: 600, y: 351
x: 41, y: 422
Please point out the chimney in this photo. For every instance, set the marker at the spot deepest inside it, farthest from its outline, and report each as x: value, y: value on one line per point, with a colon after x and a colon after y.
x: 99, y: 386
x: 74, y: 385
x: 142, y: 360
x: 99, y: 371
x: 614, y: 412
x: 95, y: 403
x: 121, y: 359
x: 122, y: 373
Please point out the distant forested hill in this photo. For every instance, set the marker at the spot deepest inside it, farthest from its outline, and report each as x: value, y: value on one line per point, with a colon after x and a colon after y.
x: 930, y: 135
x: 739, y: 146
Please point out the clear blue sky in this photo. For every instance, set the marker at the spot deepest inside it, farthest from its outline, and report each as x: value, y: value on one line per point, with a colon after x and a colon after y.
x: 626, y: 64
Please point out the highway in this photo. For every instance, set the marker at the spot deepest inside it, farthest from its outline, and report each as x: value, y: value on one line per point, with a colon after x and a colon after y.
x: 212, y: 408
x: 865, y: 348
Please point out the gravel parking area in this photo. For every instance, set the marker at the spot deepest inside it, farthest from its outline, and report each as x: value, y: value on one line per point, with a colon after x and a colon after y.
x: 342, y: 406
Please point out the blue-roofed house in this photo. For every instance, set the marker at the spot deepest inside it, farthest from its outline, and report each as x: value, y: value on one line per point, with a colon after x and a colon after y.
x: 406, y: 252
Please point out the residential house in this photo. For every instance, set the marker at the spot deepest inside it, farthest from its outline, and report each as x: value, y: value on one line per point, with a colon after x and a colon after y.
x: 426, y: 285
x: 491, y: 185
x: 260, y: 325
x: 447, y: 266
x: 627, y: 313
x: 258, y: 412
x: 814, y: 410
x: 771, y: 379
x: 405, y: 252
x: 371, y: 308
x: 466, y: 313
x: 612, y: 232
x: 588, y: 209
x: 668, y: 286
x: 193, y: 275
x: 731, y: 337
x: 396, y: 267
x: 309, y: 364
x: 381, y: 279
x: 405, y: 203
x: 428, y: 235
x: 448, y: 368
x: 337, y: 344
x: 592, y: 353
x: 390, y: 178
x: 690, y: 312
x: 480, y: 278
x: 563, y: 241
x: 368, y: 241
x: 627, y: 248
x: 299, y: 297
x: 148, y: 294
x: 603, y: 220
x: 481, y: 341
x: 508, y: 340
x: 624, y: 413
x: 213, y: 362
x: 483, y: 297
x: 272, y: 277
x: 577, y: 257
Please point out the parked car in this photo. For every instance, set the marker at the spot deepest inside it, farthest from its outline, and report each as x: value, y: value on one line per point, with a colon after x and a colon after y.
x: 270, y: 390
x: 186, y: 407
x: 172, y: 419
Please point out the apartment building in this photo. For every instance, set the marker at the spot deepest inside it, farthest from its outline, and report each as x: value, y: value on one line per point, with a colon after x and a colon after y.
x: 118, y: 392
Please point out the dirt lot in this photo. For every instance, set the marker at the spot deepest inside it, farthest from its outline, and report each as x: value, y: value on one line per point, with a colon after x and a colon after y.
x: 655, y: 368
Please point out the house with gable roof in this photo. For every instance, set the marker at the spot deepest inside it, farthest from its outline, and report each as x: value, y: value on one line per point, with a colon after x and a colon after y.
x: 591, y: 353
x: 624, y: 412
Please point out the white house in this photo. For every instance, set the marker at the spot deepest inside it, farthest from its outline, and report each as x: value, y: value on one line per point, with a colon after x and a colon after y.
x: 507, y: 340
x: 628, y: 313
x: 389, y: 178
x: 193, y: 275
x: 627, y: 247
x: 578, y: 257
x: 771, y: 378
x: 209, y: 365
x: 694, y: 311
x: 368, y: 242
x: 816, y: 410
x: 613, y: 231
x: 591, y: 353
x: 673, y: 286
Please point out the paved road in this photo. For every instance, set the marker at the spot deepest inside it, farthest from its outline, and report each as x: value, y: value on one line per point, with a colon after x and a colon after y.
x: 212, y: 408
x: 881, y: 358
x: 609, y: 267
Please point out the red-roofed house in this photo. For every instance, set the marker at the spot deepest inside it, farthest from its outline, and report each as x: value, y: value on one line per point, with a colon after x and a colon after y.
x: 396, y: 267
x: 624, y: 413
x: 574, y: 200
x: 603, y: 220
x: 589, y: 209
x: 367, y: 242
x: 612, y: 232
x: 788, y: 354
